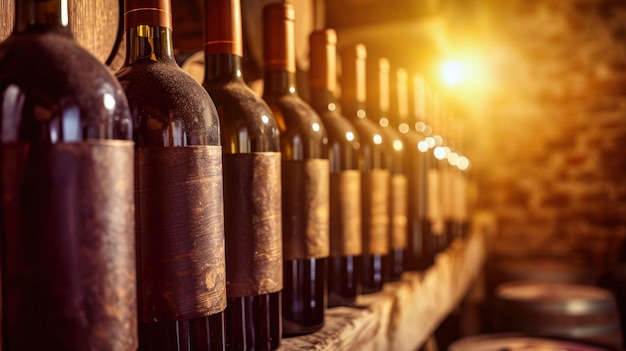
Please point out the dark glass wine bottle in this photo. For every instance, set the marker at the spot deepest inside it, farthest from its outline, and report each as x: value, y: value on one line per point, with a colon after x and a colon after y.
x: 305, y: 178
x: 420, y: 246
x: 374, y: 167
x: 415, y: 168
x: 180, y: 218
x: 442, y: 153
x: 344, y: 282
x: 252, y: 202
x: 67, y: 218
x: 385, y: 114
x: 437, y: 155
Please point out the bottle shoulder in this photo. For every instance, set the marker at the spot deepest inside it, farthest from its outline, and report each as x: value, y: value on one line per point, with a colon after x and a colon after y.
x: 302, y: 133
x: 46, y: 77
x: 163, y: 97
x: 338, y: 128
x: 235, y: 101
x: 244, y: 117
x: 294, y: 115
x: 369, y: 132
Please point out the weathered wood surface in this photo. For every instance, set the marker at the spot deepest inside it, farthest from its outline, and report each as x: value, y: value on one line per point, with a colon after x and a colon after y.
x: 94, y: 23
x: 7, y: 10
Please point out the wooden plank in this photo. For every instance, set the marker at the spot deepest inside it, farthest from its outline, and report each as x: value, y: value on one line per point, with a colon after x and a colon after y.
x: 7, y: 10
x: 95, y: 25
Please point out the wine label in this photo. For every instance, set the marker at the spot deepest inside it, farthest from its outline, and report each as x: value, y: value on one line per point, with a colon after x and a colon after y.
x: 345, y: 213
x: 399, y: 203
x: 180, y: 232
x: 69, y: 236
x: 375, y: 211
x: 306, y: 206
x: 253, y: 226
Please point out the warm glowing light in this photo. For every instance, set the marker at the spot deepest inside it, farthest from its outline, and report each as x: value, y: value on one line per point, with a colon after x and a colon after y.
x: 403, y: 128
x: 109, y: 101
x: 349, y: 136
x: 378, y: 139
x: 384, y: 122
x: 292, y: 90
x: 453, y: 158
x: 463, y: 163
x: 316, y: 127
x: 420, y: 126
x: 397, y: 145
x: 430, y: 141
x: 361, y: 113
x: 423, y: 146
x: 332, y: 107
x: 64, y: 12
x: 265, y: 119
x: 440, y: 152
x: 452, y: 72
x: 438, y: 139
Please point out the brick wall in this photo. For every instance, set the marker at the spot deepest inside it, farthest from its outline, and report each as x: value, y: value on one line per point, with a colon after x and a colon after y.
x: 551, y: 157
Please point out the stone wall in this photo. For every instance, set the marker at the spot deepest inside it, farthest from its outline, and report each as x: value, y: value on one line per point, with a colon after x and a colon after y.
x: 549, y: 144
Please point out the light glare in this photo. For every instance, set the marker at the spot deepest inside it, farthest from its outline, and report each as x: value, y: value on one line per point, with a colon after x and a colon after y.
x: 397, y: 145
x: 377, y: 139
x: 452, y: 72
x: 440, y: 153
x: 383, y: 122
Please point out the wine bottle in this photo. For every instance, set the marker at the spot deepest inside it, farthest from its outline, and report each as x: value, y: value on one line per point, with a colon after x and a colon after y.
x: 305, y: 178
x: 421, y: 246
x: 375, y: 173
x: 463, y: 166
x: 381, y: 112
x: 437, y: 162
x: 446, y: 172
x: 67, y: 218
x: 252, y: 205
x: 180, y: 229
x: 345, y: 179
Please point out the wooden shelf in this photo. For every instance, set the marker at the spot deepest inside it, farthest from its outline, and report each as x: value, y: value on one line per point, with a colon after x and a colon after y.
x: 405, y: 313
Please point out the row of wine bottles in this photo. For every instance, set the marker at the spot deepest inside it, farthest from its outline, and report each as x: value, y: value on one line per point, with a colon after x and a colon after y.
x: 145, y: 210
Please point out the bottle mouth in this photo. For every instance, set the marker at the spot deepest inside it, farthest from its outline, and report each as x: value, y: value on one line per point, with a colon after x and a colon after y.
x: 222, y: 31
x: 323, y: 52
x: 278, y: 37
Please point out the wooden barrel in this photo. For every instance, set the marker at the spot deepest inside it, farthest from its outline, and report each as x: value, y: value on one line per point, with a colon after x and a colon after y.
x: 572, y: 311
x: 505, y: 270
x: 96, y: 25
x: 536, y: 269
x: 513, y: 342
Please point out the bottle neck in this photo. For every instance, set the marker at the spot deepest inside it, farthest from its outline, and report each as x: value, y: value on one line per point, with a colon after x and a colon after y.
x: 322, y: 100
x: 39, y: 15
x: 222, y: 68
x: 149, y: 42
x: 354, y: 109
x: 279, y: 82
